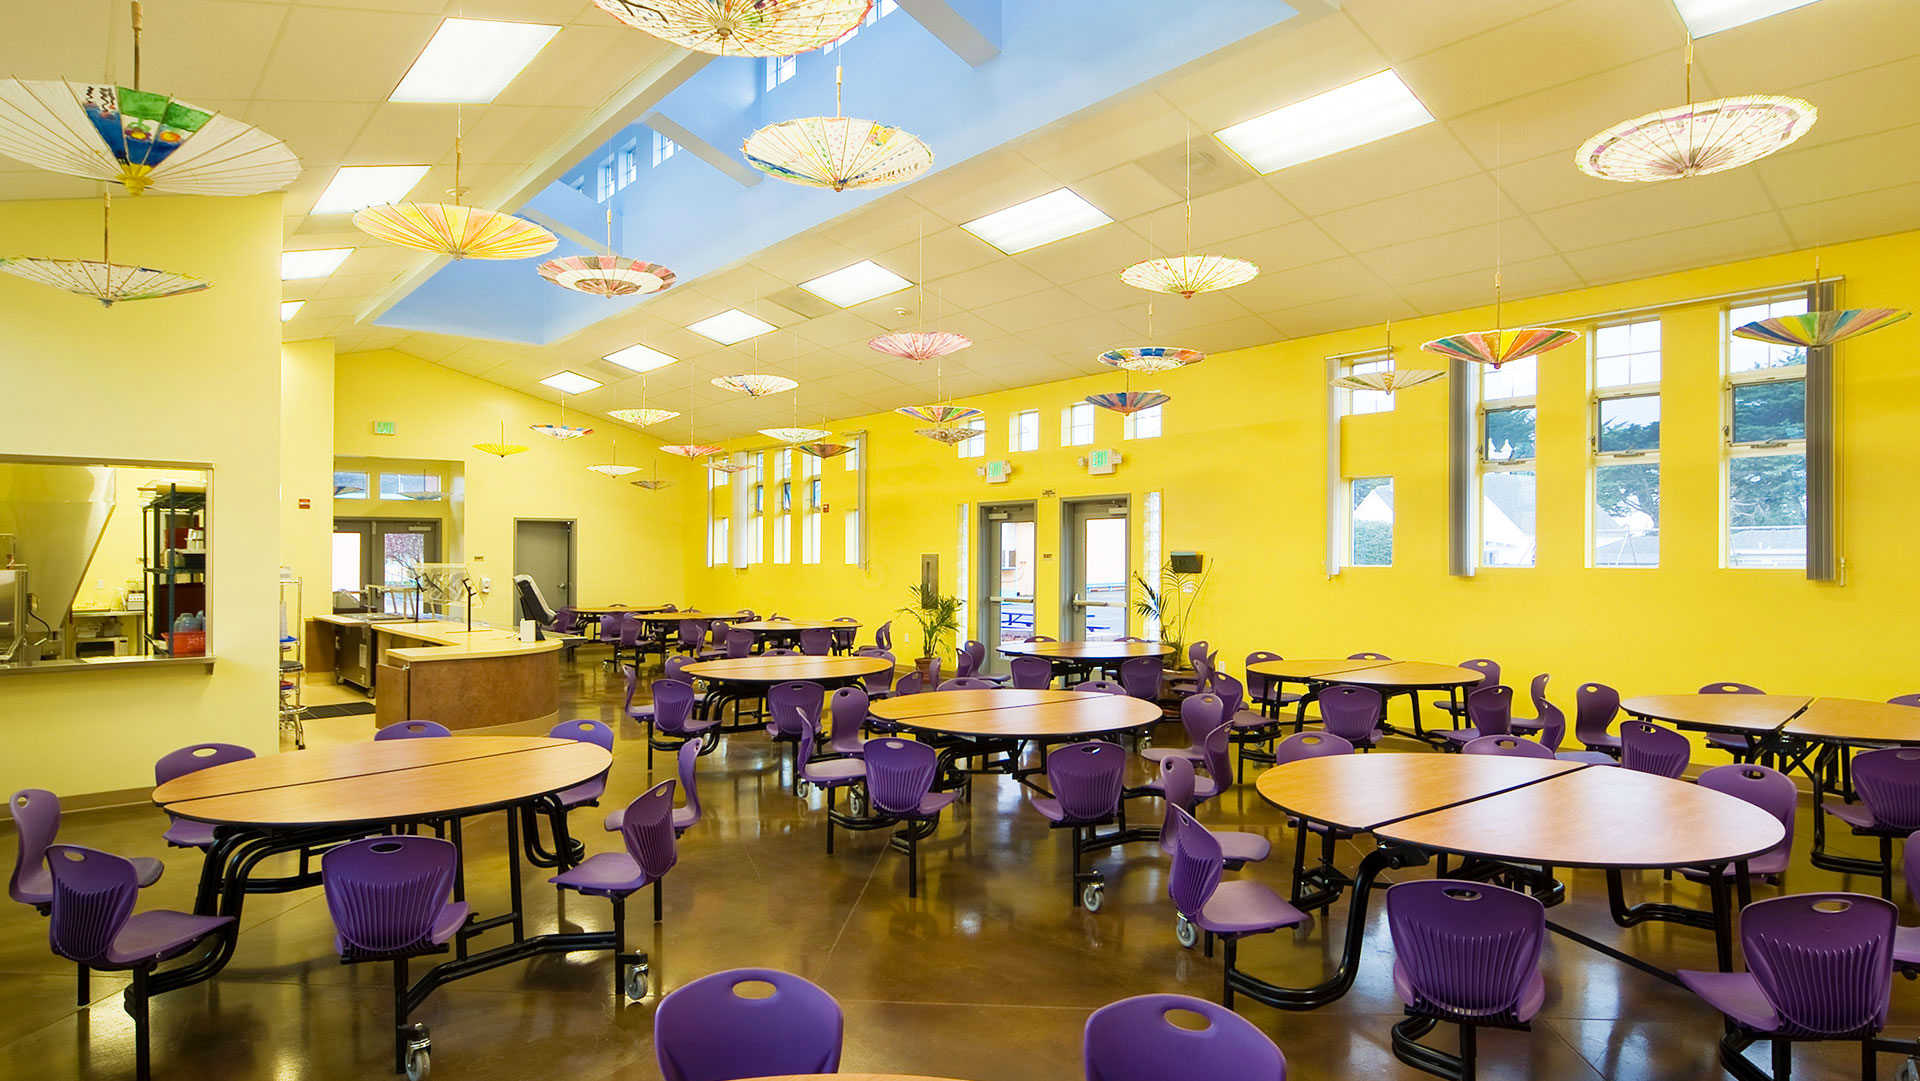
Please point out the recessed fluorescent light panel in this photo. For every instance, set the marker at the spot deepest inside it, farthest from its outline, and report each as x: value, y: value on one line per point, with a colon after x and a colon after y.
x: 638, y: 358
x: 1705, y: 17
x: 862, y: 281
x: 317, y: 263
x: 732, y: 325
x: 1042, y: 220
x: 290, y: 308
x: 1340, y: 119
x: 472, y: 60
x: 571, y: 382
x: 357, y: 187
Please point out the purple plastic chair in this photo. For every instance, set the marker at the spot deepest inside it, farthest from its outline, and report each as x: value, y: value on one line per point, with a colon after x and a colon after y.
x: 883, y: 636
x: 94, y: 925
x: 1231, y: 910
x: 1368, y: 657
x: 829, y: 775
x: 673, y: 721
x: 388, y: 897
x: 1537, y: 692
x: 739, y: 643
x: 1099, y: 686
x: 650, y: 851
x: 1032, y: 673
x: 1176, y: 788
x: 966, y: 661
x: 1819, y: 967
x: 816, y: 641
x: 1292, y: 749
x: 1510, y: 745
x: 1251, y: 730
x: 792, y: 704
x: 588, y: 792
x: 1489, y: 713
x: 1652, y: 748
x: 969, y: 683
x: 900, y: 777
x: 566, y: 621
x: 709, y: 1031
x: 413, y: 730
x: 1731, y: 742
x: 1199, y: 715
x: 1905, y: 699
x: 1265, y: 691
x: 843, y: 636
x: 848, y: 707
x: 1888, y: 782
x: 1594, y: 707
x: 1086, y: 779
x: 1143, y: 677
x: 184, y: 832
x: 1040, y: 638
x: 1352, y: 713
x: 907, y: 684
x: 1906, y: 940
x: 642, y: 714
x: 632, y: 634
x: 978, y: 651
x: 1772, y: 792
x: 1466, y: 953
x: 716, y: 644
x: 693, y: 636
x: 880, y: 684
x: 1490, y: 677
x: 1202, y: 660
x: 685, y: 816
x: 1133, y: 1040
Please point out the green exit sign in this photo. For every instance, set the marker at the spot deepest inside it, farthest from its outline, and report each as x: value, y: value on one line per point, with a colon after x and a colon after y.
x: 1102, y: 462
x: 999, y: 472
x: 384, y: 427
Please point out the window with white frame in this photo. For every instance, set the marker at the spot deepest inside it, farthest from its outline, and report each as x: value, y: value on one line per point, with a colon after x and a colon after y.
x: 1368, y: 401
x: 1142, y: 425
x: 663, y: 148
x: 1023, y: 430
x: 852, y: 457
x: 629, y: 169
x: 810, y: 516
x: 974, y: 446
x: 1766, y: 439
x: 853, y: 538
x: 604, y: 181
x: 1507, y: 451
x: 755, y: 475
x: 1370, y: 522
x: 1626, y: 444
x: 780, y: 69
x: 783, y: 511
x: 717, y: 554
x: 1076, y: 425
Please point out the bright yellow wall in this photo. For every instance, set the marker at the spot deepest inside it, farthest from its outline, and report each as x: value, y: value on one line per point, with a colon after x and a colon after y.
x: 627, y: 540
x: 306, y: 467
x: 1242, y: 466
x: 191, y: 378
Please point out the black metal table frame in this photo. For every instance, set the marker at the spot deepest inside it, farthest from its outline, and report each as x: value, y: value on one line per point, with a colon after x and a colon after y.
x: 1388, y: 692
x: 723, y: 691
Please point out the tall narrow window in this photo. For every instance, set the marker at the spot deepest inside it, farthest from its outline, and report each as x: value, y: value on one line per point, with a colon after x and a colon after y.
x: 1368, y: 401
x: 604, y: 180
x: 852, y: 457
x: 755, y: 475
x: 810, y: 518
x: 1370, y: 522
x: 783, y: 508
x: 1766, y: 436
x: 780, y: 69
x: 717, y: 554
x: 1076, y: 425
x: 976, y: 445
x: 1142, y: 425
x: 663, y: 148
x: 1507, y: 453
x: 1626, y: 445
x: 853, y: 538
x: 629, y: 169
x: 1023, y: 430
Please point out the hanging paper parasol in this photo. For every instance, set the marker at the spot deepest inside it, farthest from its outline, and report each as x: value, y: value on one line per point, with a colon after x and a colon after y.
x: 503, y: 448
x: 728, y: 467
x: 947, y: 435
x: 463, y: 232
x: 606, y: 275
x: 755, y: 384
x: 614, y: 469
x: 1390, y: 380
x: 340, y: 490
x: 561, y: 431
x: 1151, y: 358
x: 796, y: 435
x: 836, y: 151
x: 919, y: 345
x: 1496, y: 347
x: 1189, y: 275
x: 1816, y: 329
x: 104, y: 280
x: 692, y: 450
x: 941, y: 414
x: 1129, y: 401
x: 741, y: 27
x: 1696, y: 139
x: 653, y: 484
x: 824, y: 450
x: 642, y: 417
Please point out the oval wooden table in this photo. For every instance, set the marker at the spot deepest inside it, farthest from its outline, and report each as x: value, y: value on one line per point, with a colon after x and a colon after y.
x: 1824, y: 732
x: 1068, y: 658
x: 1515, y: 821
x: 735, y: 679
x: 788, y: 630
x: 1389, y: 677
x: 1757, y: 718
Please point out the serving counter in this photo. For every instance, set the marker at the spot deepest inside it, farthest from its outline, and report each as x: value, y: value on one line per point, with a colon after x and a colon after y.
x: 439, y: 671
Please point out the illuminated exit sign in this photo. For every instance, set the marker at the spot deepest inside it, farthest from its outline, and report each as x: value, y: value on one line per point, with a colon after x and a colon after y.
x: 1101, y: 463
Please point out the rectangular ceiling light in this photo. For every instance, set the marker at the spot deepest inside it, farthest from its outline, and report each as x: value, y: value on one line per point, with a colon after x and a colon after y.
x: 1041, y: 220
x: 290, y: 308
x: 1340, y: 119
x: 571, y: 382
x: 1705, y: 17
x: 638, y: 358
x: 732, y: 325
x: 315, y: 263
x: 472, y: 60
x: 357, y: 187
x: 851, y: 285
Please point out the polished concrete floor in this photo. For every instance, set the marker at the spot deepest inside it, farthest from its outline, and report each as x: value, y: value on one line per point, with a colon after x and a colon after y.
x: 989, y: 975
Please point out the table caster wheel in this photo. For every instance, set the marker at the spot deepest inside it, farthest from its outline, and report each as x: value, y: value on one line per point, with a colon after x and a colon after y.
x: 1092, y: 896
x: 419, y: 1064
x: 636, y: 982
x: 1186, y: 932
x: 1909, y: 1070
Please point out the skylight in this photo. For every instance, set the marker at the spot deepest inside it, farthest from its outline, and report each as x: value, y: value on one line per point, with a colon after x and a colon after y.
x: 1340, y: 119
x: 851, y: 285
x: 1705, y: 17
x: 1041, y: 220
x: 472, y: 60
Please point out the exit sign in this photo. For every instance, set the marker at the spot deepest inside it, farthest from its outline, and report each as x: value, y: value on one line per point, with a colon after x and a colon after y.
x: 384, y: 427
x: 998, y: 472
x: 1101, y: 463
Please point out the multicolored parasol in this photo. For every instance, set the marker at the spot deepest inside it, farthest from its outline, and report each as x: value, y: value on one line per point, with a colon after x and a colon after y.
x: 918, y: 344
x: 941, y: 414
x: 642, y: 417
x: 1496, y: 347
x: 1151, y: 358
x: 1816, y: 329
x: 104, y: 280
x: 692, y: 450
x: 653, y: 484
x: 1390, y: 380
x: 755, y: 384
x: 462, y: 232
x: 836, y: 151
x: 1189, y: 275
x: 796, y: 435
x: 560, y: 431
x: 741, y: 27
x: 503, y: 448
x: 824, y: 450
x: 1129, y: 401
x: 606, y: 275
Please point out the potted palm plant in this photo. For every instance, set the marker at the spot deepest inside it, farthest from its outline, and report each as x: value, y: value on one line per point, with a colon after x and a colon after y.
x: 1170, y: 603
x: 938, y: 617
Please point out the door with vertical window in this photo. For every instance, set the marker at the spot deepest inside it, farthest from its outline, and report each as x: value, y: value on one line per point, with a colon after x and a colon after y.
x: 389, y: 552
x: 1008, y: 550
x: 1094, y: 580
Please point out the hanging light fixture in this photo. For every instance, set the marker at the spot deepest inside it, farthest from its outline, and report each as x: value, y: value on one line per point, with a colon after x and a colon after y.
x: 454, y: 229
x: 1697, y: 138
x: 105, y: 281
x: 653, y: 483
x: 607, y: 275
x: 138, y: 139
x: 562, y: 430
x: 741, y: 27
x: 1189, y: 274
x: 642, y: 416
x: 503, y: 448
x: 941, y: 414
x: 755, y: 384
x: 614, y: 468
x: 836, y: 151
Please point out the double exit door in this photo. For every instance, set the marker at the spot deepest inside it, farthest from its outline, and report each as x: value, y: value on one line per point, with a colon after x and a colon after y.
x: 1092, y: 585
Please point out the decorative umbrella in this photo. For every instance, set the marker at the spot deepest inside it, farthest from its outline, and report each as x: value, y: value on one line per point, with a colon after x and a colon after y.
x: 562, y: 430
x: 1189, y: 274
x: 919, y: 345
x: 138, y: 139
x: 453, y: 229
x: 1696, y: 138
x: 796, y: 435
x: 941, y: 414
x: 1816, y: 329
x: 348, y: 489
x: 1496, y: 347
x: 741, y: 27
x: 949, y: 436
x: 836, y: 152
x: 105, y: 280
x: 692, y: 450
x: 1390, y: 380
x: 642, y: 416
x: 503, y: 448
x: 653, y: 484
x: 1151, y: 358
x: 1129, y: 401
x: 728, y: 466
x: 614, y: 468
x: 824, y: 450
x: 607, y: 275
x: 755, y: 384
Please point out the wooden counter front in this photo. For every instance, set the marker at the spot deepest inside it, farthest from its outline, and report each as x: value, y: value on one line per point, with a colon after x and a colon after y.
x: 442, y: 672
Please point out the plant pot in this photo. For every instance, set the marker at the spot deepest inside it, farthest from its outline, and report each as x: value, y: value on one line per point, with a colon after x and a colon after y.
x: 924, y: 666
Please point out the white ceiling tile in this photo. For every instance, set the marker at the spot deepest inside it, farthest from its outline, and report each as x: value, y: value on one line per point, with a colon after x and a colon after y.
x: 1217, y: 218
x: 1647, y: 209
x: 1856, y: 217
x: 1442, y: 208
x: 202, y: 49
x: 1298, y: 286
x: 1035, y: 310
x: 1418, y: 158
x: 1407, y: 28
x: 307, y: 64
x: 1272, y: 68
x: 1519, y: 279
x: 1090, y: 141
x: 1807, y: 44
x: 1478, y: 248
x: 997, y: 281
x: 1343, y: 313
x: 1702, y: 245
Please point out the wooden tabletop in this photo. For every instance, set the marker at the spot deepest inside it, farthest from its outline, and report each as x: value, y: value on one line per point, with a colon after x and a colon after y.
x: 1600, y: 816
x: 1409, y: 675
x: 675, y: 617
x: 358, y: 790
x: 612, y: 609
x: 331, y: 763
x: 1086, y: 651
x: 1363, y: 791
x: 1852, y: 720
x: 1317, y: 668
x: 1061, y: 715
x: 936, y: 703
x: 1719, y: 712
x: 794, y: 625
x: 782, y: 669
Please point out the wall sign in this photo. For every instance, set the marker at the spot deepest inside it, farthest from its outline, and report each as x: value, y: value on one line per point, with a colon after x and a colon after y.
x: 1101, y: 463
x: 997, y: 472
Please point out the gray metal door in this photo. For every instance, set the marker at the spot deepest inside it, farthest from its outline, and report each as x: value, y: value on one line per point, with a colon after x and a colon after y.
x: 544, y: 550
x: 1093, y: 584
x: 1009, y: 564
